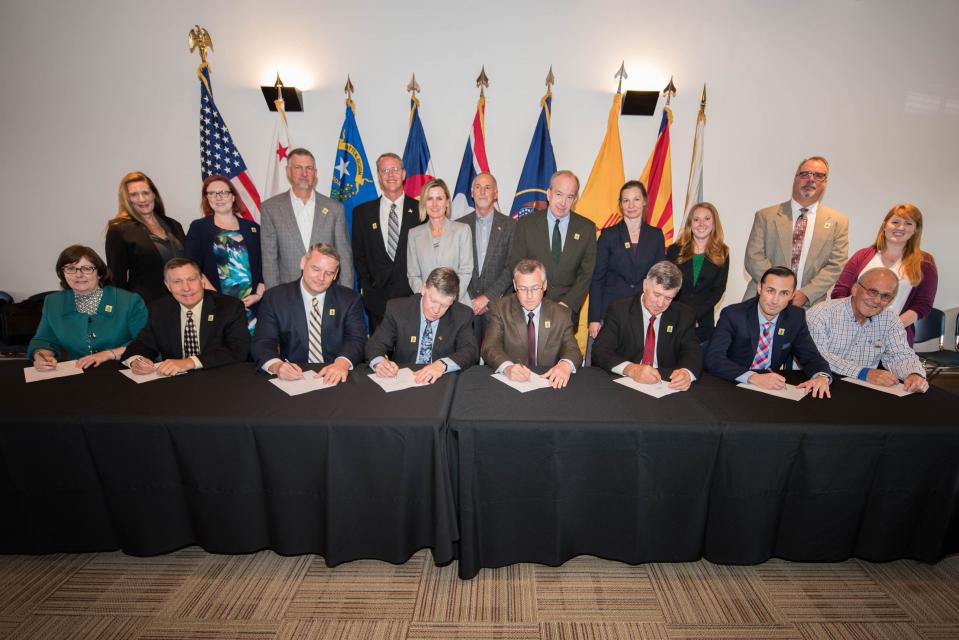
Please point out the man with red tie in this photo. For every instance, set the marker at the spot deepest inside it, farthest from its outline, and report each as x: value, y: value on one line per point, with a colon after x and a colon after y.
x: 647, y: 337
x: 753, y: 339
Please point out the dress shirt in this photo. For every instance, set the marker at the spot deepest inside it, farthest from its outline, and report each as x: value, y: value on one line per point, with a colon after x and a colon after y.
x: 621, y: 367
x: 807, y: 237
x: 484, y: 225
x: 563, y: 226
x: 536, y: 313
x: 852, y: 349
x: 304, y: 216
x: 385, y: 217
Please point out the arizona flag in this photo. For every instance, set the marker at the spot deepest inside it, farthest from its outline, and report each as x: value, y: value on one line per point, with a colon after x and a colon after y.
x: 218, y: 154
x: 600, y: 199
x: 276, y: 181
x: 416, y: 155
x: 474, y: 162
x: 539, y: 167
x: 352, y: 173
x: 658, y: 178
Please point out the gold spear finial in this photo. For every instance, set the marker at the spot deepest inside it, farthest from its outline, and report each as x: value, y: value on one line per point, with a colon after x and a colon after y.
x: 622, y: 75
x: 413, y: 87
x: 348, y: 90
x: 669, y: 91
x: 279, y: 88
x: 199, y: 38
x: 702, y: 103
x: 550, y: 80
x: 482, y: 81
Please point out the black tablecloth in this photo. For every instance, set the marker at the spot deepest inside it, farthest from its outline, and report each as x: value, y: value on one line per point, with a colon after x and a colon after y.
x: 728, y: 474
x: 224, y: 460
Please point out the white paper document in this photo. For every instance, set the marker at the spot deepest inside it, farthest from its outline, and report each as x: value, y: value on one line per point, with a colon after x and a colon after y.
x: 403, y: 380
x: 68, y: 368
x: 146, y: 377
x: 896, y: 390
x: 535, y: 382
x: 791, y: 392
x: 309, y: 382
x: 657, y: 389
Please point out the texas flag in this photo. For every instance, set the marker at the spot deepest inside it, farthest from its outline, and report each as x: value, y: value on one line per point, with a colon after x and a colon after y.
x: 416, y: 155
x: 474, y: 162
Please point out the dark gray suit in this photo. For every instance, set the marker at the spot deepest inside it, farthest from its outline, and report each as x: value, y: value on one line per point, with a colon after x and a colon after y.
x: 493, y: 278
x: 281, y: 243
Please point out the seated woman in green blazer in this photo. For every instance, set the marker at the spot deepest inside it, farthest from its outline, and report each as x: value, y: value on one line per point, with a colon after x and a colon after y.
x: 89, y: 321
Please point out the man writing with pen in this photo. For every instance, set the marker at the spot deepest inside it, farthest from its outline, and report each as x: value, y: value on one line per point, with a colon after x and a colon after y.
x: 310, y: 321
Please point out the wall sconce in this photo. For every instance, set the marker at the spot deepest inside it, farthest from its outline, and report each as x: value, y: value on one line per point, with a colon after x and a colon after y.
x: 639, y: 103
x: 292, y: 98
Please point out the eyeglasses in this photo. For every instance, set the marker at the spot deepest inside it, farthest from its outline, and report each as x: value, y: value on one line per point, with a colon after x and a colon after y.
x: 388, y: 170
x: 818, y: 176
x: 527, y: 290
x: 85, y: 269
x: 875, y: 293
x: 218, y: 194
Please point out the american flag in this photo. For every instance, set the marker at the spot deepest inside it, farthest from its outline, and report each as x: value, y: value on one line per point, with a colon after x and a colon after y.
x: 218, y: 153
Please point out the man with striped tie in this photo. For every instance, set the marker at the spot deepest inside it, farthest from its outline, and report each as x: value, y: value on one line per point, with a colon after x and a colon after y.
x: 754, y: 338
x: 310, y: 321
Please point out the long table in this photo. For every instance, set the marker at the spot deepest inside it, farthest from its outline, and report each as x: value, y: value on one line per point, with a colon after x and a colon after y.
x: 224, y: 460
x: 719, y: 472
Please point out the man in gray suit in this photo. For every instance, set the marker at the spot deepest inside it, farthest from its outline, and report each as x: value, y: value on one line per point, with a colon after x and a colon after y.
x: 298, y: 219
x: 802, y: 234
x: 492, y: 236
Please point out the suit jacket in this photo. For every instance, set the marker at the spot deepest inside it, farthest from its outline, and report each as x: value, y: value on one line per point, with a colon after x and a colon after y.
x: 282, y: 330
x: 733, y: 346
x: 570, y: 279
x: 619, y: 271
x: 455, y: 251
x: 623, y: 338
x: 282, y: 245
x: 494, y: 277
x: 224, y: 335
x: 381, y: 279
x: 705, y: 294
x: 770, y: 245
x: 398, y: 336
x: 119, y: 318
x: 133, y: 259
x: 199, y: 248
x: 506, y: 338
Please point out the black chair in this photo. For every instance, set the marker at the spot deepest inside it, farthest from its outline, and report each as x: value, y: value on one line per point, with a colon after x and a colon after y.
x: 941, y: 360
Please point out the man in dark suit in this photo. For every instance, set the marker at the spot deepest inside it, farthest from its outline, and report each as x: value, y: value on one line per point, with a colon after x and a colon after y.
x: 525, y: 330
x: 429, y: 328
x: 753, y: 339
x: 563, y: 240
x: 648, y: 338
x: 297, y: 219
x: 194, y: 329
x: 310, y: 320
x: 380, y: 228
x: 492, y: 237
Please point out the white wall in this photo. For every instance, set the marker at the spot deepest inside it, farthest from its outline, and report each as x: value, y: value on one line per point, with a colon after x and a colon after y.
x: 95, y: 89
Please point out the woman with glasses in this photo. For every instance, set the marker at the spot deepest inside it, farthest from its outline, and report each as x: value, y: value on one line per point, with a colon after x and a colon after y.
x: 89, y: 321
x: 141, y: 238
x: 897, y: 248
x: 227, y: 246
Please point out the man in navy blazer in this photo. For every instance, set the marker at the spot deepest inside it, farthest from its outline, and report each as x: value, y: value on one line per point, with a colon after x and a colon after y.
x: 737, y: 350
x: 282, y: 336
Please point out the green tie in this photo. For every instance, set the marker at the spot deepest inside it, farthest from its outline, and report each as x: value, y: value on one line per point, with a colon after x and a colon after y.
x: 557, y: 248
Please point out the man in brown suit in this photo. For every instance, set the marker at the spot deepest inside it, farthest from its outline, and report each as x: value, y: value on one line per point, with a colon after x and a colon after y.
x: 526, y: 330
x: 561, y: 239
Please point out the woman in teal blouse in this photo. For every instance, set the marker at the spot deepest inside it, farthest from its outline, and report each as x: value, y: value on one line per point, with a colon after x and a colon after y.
x: 89, y: 321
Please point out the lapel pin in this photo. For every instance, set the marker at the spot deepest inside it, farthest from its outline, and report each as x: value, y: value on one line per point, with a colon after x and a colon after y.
x: 781, y: 331
x: 252, y: 229
x: 412, y: 339
x: 827, y: 225
x: 332, y: 311
x: 108, y: 308
x: 669, y: 328
x: 209, y: 318
x: 325, y: 210
x: 409, y: 211
x: 374, y: 226
x: 546, y: 324
x: 439, y: 338
x: 575, y: 236
x: 626, y: 244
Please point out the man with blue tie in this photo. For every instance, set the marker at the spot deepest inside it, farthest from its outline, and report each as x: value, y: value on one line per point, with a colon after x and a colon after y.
x: 430, y: 328
x: 310, y: 320
x: 753, y: 339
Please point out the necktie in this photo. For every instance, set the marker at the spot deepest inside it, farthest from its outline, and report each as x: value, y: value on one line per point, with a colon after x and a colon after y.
x: 763, y: 348
x: 394, y: 233
x: 316, y: 335
x: 557, y: 248
x: 531, y: 339
x: 426, y: 345
x: 191, y: 346
x: 649, y: 347
x: 799, y: 232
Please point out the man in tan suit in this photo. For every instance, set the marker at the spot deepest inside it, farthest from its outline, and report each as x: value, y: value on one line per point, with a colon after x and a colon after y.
x: 802, y: 234
x: 527, y: 330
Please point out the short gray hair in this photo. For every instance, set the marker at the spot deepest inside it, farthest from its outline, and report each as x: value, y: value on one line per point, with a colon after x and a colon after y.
x: 324, y: 249
x: 527, y: 266
x: 444, y: 280
x: 665, y: 274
